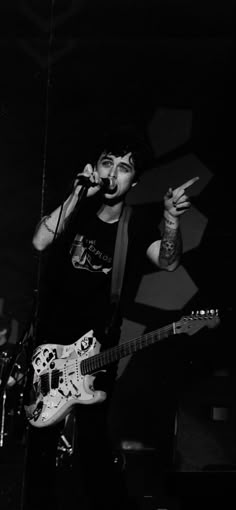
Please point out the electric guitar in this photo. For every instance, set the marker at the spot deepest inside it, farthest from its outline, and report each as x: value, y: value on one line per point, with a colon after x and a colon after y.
x: 63, y: 375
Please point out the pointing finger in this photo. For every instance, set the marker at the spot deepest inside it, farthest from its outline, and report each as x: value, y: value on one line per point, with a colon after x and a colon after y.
x: 189, y: 183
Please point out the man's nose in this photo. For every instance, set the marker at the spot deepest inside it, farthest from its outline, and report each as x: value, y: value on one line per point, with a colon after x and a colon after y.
x: 113, y: 171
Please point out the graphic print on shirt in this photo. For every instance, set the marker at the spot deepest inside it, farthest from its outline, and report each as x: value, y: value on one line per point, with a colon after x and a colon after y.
x: 85, y: 255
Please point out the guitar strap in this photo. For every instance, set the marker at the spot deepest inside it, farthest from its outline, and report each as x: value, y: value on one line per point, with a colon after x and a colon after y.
x: 119, y: 260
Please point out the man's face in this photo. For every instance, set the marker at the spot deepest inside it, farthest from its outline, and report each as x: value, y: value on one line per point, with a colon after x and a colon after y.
x: 121, y: 169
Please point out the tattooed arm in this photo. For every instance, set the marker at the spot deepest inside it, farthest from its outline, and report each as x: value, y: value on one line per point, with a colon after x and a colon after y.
x: 171, y: 244
x: 53, y: 224
x: 166, y: 252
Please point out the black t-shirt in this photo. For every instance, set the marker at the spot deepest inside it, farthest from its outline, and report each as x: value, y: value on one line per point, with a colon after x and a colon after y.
x: 77, y: 281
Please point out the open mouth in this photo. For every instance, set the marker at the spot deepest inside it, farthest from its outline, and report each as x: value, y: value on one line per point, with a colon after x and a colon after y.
x: 112, y: 188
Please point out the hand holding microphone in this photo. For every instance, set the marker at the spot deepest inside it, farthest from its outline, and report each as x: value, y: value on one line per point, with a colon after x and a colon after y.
x: 93, y: 182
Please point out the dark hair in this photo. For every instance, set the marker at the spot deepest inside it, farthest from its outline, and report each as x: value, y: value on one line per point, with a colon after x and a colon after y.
x: 119, y: 141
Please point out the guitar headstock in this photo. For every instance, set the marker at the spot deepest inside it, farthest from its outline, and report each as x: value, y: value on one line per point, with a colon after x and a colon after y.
x: 192, y: 323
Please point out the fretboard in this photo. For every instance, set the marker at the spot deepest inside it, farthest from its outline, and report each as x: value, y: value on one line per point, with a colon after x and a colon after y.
x: 105, y: 358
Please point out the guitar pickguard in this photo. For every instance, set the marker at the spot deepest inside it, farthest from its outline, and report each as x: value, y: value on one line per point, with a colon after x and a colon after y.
x: 58, y: 382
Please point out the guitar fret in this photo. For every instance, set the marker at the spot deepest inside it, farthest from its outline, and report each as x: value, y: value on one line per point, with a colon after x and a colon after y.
x: 124, y: 349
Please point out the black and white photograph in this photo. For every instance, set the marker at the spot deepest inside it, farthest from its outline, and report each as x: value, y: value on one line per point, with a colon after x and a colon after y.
x: 117, y: 364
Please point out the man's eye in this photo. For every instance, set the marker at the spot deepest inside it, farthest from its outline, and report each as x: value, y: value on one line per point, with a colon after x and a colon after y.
x: 125, y: 169
x: 106, y: 162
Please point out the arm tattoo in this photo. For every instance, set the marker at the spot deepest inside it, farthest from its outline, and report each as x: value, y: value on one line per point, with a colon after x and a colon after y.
x: 171, y: 247
x: 44, y: 222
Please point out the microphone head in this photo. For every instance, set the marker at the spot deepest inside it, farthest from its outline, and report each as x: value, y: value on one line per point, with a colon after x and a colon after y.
x: 109, y: 185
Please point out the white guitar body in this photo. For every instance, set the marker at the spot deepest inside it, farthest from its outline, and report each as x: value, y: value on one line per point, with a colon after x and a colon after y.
x: 58, y: 381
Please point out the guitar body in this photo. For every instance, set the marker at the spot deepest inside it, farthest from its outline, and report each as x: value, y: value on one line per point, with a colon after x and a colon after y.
x: 57, y: 381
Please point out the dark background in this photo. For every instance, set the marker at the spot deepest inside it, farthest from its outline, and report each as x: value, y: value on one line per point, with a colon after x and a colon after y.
x: 69, y: 68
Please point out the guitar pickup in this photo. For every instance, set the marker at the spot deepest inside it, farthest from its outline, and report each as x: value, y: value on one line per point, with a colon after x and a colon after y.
x: 55, y: 376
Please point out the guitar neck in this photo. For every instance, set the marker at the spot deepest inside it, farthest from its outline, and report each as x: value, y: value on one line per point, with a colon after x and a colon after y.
x: 105, y: 358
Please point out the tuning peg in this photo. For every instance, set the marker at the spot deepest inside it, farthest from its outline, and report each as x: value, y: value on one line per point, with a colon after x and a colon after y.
x: 195, y: 315
x: 204, y: 314
x: 213, y: 312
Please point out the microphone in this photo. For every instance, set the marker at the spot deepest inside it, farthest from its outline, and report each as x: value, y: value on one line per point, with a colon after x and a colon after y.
x: 107, y: 184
